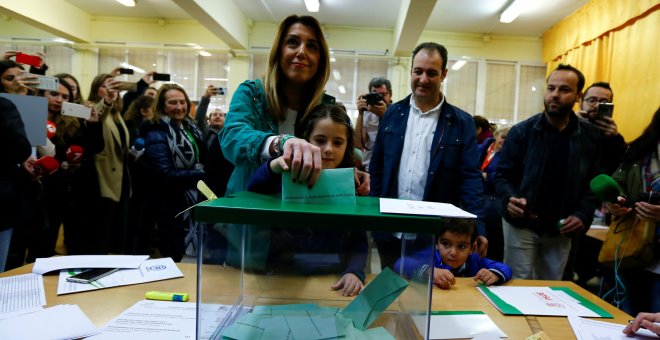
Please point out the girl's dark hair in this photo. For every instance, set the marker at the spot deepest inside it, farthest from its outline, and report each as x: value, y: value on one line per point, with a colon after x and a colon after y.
x: 134, y: 111
x: 66, y: 125
x: 6, y: 64
x: 645, y: 144
x: 338, y: 115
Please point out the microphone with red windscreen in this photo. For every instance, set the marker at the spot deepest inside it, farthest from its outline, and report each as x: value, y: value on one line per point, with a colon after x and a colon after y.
x: 51, y: 129
x: 45, y: 166
x: 74, y: 154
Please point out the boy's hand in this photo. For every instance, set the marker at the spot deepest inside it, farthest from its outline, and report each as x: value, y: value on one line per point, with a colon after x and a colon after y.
x: 486, y: 277
x: 443, y: 278
x: 349, y: 284
x: 278, y: 165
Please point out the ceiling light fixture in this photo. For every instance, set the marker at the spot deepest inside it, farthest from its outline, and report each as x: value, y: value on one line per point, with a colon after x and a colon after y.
x: 127, y: 3
x: 457, y: 65
x: 312, y: 5
x: 134, y: 68
x: 204, y: 54
x: 513, y: 11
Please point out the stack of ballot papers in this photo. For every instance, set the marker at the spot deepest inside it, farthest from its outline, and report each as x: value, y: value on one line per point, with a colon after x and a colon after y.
x: 58, y: 322
x: 463, y: 325
x: 45, y: 265
x: 20, y: 294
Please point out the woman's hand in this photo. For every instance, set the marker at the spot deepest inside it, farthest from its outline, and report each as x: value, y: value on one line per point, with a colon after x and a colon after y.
x: 210, y: 91
x: 362, y: 183
x: 617, y: 209
x: 112, y: 87
x: 349, y: 284
x: 305, y: 160
x: 647, y: 211
x: 486, y: 277
x: 644, y: 320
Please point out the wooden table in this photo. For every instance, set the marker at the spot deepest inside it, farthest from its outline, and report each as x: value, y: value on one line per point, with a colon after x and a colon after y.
x: 103, y: 305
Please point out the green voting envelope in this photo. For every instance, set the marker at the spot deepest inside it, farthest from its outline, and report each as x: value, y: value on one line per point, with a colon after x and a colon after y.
x: 334, y: 186
x: 375, y: 298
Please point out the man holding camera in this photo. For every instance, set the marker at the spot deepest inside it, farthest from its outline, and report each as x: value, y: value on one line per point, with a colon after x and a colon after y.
x: 426, y: 150
x: 372, y: 107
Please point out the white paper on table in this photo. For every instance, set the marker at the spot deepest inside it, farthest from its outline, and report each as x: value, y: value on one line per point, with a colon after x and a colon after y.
x: 149, y: 271
x: 21, y: 292
x: 58, y: 322
x: 540, y: 301
x: 586, y: 329
x: 599, y: 227
x: 152, y: 320
x: 461, y: 326
x: 409, y: 207
x: 45, y: 265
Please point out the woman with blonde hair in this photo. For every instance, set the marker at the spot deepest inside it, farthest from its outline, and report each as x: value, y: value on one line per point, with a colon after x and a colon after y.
x: 175, y: 151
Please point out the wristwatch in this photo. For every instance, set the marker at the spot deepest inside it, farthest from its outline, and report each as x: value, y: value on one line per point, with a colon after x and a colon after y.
x: 277, y: 150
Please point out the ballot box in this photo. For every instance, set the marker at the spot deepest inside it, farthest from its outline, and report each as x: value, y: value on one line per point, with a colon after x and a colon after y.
x: 265, y: 266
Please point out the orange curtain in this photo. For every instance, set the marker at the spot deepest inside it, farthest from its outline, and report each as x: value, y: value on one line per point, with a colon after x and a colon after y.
x: 616, y: 41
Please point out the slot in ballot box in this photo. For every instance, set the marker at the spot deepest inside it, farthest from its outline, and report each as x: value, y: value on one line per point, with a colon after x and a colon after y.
x: 282, y: 259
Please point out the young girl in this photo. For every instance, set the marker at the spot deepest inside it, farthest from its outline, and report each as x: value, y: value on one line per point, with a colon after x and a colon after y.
x: 328, y: 128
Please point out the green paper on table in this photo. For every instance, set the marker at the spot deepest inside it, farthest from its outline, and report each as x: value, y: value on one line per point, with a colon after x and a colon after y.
x: 375, y: 298
x: 334, y: 186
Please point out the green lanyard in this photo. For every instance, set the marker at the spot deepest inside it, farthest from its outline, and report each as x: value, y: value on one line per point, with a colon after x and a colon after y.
x: 194, y: 143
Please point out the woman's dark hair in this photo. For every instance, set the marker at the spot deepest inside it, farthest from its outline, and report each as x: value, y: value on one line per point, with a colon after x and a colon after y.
x: 134, y: 111
x: 338, y: 115
x: 158, y: 106
x: 66, y: 125
x: 78, y: 99
x: 6, y: 64
x: 645, y: 144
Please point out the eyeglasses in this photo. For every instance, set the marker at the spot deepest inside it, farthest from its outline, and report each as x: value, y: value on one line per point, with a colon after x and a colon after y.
x: 595, y: 100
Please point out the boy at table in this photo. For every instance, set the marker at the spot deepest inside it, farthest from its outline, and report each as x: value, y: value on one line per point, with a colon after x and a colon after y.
x: 455, y: 256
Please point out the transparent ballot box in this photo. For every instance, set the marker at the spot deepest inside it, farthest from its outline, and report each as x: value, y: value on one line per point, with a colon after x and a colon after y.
x: 269, y: 267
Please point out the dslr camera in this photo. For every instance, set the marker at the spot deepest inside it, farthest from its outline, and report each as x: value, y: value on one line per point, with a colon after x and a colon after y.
x: 373, y: 98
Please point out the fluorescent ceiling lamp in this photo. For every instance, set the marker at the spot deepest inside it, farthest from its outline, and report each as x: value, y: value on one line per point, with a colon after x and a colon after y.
x: 216, y: 79
x: 312, y: 5
x: 204, y: 53
x: 336, y: 74
x: 513, y: 11
x: 342, y: 89
x: 332, y: 59
x: 134, y: 68
x: 457, y: 65
x: 127, y: 3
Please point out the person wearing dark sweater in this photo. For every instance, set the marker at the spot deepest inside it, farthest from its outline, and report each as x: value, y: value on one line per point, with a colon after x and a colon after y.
x: 454, y: 256
x: 313, y: 250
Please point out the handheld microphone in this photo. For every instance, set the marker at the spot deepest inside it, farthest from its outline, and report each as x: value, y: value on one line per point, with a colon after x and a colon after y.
x: 45, y: 166
x: 138, y: 148
x: 74, y: 154
x: 606, y: 189
x: 51, y: 129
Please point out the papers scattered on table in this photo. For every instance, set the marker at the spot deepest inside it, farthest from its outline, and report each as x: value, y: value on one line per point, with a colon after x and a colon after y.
x: 148, y: 271
x: 58, y: 322
x: 152, y: 320
x: 408, y: 207
x: 586, y: 329
x: 463, y: 324
x: 21, y: 293
x: 551, y: 301
x: 334, y: 186
x: 45, y: 265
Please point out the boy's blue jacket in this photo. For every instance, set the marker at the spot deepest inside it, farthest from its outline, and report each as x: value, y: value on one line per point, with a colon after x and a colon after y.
x: 417, y: 265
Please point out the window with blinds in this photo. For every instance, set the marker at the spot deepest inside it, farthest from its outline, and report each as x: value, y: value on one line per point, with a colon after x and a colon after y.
x: 500, y: 91
x: 461, y: 85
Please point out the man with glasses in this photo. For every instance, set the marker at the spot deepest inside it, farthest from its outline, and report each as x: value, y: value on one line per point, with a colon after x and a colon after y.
x: 613, y: 144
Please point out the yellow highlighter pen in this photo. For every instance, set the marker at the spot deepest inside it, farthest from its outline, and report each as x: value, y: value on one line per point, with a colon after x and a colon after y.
x: 154, y: 295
